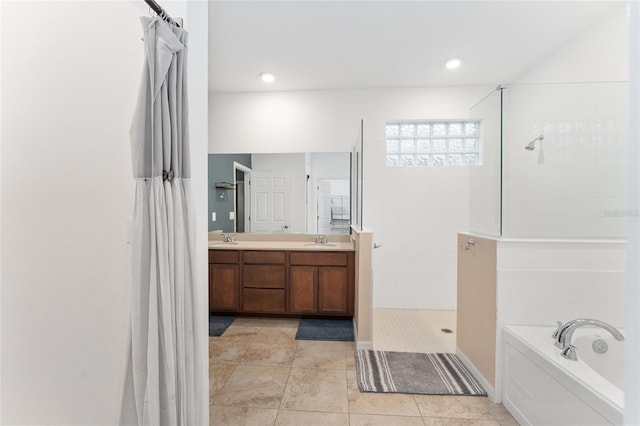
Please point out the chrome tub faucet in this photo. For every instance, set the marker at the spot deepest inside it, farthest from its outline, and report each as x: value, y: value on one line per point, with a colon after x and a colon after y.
x: 564, y: 333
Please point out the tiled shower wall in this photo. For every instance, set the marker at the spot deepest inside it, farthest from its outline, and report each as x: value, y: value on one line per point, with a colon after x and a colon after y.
x: 574, y: 183
x: 541, y: 282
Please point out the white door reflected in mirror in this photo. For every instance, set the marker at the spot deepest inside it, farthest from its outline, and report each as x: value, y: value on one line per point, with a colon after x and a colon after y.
x: 270, y: 202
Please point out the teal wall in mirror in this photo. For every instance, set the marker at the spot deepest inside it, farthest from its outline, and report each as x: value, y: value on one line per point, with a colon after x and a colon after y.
x: 221, y: 202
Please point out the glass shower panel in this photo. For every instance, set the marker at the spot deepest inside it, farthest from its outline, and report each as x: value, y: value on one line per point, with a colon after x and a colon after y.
x: 484, y: 183
x: 571, y: 182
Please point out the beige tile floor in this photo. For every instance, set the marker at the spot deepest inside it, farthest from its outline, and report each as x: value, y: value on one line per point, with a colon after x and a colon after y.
x: 260, y: 375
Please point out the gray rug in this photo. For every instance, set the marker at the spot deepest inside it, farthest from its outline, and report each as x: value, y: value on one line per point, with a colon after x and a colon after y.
x: 325, y: 329
x: 218, y: 325
x: 404, y: 372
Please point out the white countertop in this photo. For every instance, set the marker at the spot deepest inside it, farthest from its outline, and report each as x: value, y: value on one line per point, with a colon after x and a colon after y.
x: 281, y: 245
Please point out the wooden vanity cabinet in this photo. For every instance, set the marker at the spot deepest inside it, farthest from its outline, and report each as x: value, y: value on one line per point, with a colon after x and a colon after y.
x: 321, y: 283
x: 264, y: 282
x: 282, y: 282
x: 224, y: 281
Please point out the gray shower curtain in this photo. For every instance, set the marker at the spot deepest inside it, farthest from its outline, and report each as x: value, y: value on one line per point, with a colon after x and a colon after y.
x: 162, y: 385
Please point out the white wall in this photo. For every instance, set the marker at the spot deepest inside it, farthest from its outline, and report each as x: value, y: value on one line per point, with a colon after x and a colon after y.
x: 339, y: 187
x: 329, y: 165
x: 599, y: 53
x: 415, y: 213
x: 283, y: 121
x: 70, y: 75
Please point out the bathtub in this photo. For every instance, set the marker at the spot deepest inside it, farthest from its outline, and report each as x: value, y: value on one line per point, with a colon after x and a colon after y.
x: 542, y: 388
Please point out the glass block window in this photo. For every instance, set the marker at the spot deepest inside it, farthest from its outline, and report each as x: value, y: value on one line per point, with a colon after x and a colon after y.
x: 433, y: 143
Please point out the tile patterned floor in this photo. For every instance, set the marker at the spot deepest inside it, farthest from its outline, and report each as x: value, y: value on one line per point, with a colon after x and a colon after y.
x: 413, y: 330
x: 260, y: 375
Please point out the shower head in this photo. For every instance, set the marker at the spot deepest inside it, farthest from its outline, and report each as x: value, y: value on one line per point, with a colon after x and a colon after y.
x: 532, y: 145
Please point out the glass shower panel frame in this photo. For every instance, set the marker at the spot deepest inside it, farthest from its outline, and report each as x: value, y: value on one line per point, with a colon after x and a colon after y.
x: 357, y: 179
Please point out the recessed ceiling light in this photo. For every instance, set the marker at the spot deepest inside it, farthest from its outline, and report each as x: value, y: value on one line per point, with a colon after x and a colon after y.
x: 267, y: 77
x: 453, y: 63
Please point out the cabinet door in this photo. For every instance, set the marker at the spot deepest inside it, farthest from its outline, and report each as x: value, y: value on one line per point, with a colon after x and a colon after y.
x: 303, y: 289
x: 263, y: 300
x: 223, y: 287
x: 333, y: 285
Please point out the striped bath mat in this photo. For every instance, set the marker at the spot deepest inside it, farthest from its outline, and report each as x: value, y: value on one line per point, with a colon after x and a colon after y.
x: 404, y: 372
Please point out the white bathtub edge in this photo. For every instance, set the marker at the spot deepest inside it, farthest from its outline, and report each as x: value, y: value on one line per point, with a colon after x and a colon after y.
x: 556, y: 368
x: 515, y: 412
x: 491, y: 392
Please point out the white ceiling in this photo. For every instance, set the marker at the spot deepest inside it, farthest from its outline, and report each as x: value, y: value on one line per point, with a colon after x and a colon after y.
x: 316, y: 45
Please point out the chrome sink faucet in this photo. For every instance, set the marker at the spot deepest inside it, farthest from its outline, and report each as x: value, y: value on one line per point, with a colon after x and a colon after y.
x: 321, y: 239
x: 229, y: 238
x: 564, y: 333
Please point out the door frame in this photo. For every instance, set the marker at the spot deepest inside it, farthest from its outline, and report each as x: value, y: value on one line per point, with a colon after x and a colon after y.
x: 247, y: 195
x: 319, y: 181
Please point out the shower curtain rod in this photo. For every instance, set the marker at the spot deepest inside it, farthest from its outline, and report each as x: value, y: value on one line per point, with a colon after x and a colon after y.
x: 161, y: 12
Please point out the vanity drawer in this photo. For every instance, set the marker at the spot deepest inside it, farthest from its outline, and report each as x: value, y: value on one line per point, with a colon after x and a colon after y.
x: 223, y: 256
x: 265, y: 257
x: 318, y: 258
x: 263, y: 276
x: 263, y: 300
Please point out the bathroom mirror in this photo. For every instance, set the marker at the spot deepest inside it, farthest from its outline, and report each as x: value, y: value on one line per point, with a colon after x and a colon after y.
x: 280, y: 192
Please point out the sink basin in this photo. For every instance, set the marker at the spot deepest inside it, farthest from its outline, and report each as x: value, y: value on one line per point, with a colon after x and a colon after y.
x: 320, y: 245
